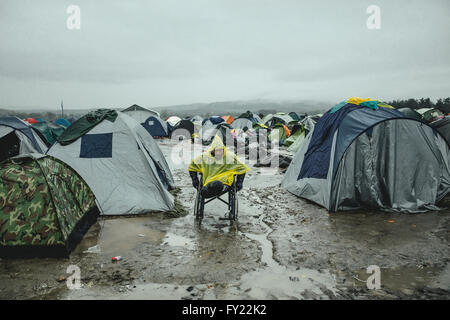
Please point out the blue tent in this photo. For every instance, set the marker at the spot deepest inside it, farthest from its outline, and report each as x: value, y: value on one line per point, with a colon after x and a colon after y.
x: 63, y: 122
x: 214, y: 120
x: 367, y: 155
x: 17, y: 124
x: 156, y: 126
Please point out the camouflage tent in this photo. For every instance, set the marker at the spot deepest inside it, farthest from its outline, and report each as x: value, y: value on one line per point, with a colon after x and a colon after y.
x: 45, y: 207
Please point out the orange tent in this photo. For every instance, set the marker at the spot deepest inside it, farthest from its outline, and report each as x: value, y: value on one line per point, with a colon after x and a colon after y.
x: 286, y: 130
x: 228, y: 119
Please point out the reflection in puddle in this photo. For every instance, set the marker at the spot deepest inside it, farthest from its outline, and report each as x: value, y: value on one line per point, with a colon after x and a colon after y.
x: 176, y: 240
x: 118, y: 236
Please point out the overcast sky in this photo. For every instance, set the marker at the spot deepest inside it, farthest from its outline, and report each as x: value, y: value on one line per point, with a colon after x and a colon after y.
x: 164, y: 52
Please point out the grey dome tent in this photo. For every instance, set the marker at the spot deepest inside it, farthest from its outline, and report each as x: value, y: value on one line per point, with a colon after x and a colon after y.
x: 368, y: 156
x: 18, y: 138
x: 139, y: 113
x: 119, y: 160
x: 443, y: 126
x: 410, y: 113
x: 241, y: 123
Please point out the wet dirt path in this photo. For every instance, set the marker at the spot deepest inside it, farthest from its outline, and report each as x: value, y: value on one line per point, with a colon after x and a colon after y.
x: 281, y: 248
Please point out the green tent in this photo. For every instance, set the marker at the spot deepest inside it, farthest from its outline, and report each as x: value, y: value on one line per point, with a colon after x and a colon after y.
x: 46, y: 207
x: 48, y: 133
x: 293, y: 137
x: 277, y: 133
x: 298, y: 141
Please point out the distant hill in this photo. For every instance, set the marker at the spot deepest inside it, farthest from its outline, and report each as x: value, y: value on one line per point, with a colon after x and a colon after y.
x: 236, y: 108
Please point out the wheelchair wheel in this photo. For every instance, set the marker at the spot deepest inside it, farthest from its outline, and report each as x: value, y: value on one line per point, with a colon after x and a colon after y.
x: 197, y: 198
x: 233, y: 204
x: 198, y: 212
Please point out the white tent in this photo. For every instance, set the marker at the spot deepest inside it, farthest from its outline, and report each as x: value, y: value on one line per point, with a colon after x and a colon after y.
x: 173, y: 120
x: 139, y: 113
x: 122, y: 165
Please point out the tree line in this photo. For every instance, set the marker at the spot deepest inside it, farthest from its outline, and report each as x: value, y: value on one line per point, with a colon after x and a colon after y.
x: 441, y: 104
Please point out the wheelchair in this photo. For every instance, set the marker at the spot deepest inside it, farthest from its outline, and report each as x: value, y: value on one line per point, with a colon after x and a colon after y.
x: 232, y: 202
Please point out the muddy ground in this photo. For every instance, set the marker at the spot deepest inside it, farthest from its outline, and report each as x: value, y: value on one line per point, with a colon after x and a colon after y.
x: 282, y: 247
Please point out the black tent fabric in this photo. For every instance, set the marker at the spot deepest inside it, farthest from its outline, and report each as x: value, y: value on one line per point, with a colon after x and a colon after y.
x: 185, y: 125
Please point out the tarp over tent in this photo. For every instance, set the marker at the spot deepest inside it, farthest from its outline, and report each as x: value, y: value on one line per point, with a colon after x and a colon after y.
x: 364, y: 155
x: 18, y: 137
x: 122, y: 164
x: 46, y: 207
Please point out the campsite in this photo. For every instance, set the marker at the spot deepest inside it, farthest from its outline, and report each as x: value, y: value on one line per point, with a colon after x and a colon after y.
x: 225, y: 153
x: 281, y: 246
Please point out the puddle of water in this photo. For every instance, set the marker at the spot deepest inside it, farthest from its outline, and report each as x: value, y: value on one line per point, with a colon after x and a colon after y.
x: 176, y: 240
x: 119, y: 236
x: 150, y: 291
x: 261, y: 181
x: 411, y: 278
x: 278, y: 281
x: 286, y: 284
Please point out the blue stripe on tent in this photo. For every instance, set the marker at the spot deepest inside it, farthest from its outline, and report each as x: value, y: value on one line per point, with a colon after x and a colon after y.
x: 97, y: 145
x: 317, y: 158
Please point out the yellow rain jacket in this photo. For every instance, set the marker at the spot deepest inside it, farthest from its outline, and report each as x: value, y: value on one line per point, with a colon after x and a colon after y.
x: 212, y: 169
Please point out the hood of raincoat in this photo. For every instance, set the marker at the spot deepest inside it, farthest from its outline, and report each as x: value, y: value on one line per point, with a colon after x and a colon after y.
x: 222, y: 170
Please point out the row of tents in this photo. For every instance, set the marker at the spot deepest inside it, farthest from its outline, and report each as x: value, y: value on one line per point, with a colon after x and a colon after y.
x: 105, y: 163
x: 360, y: 154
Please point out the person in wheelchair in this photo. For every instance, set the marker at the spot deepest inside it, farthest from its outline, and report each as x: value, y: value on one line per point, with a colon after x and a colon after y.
x: 218, y: 168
